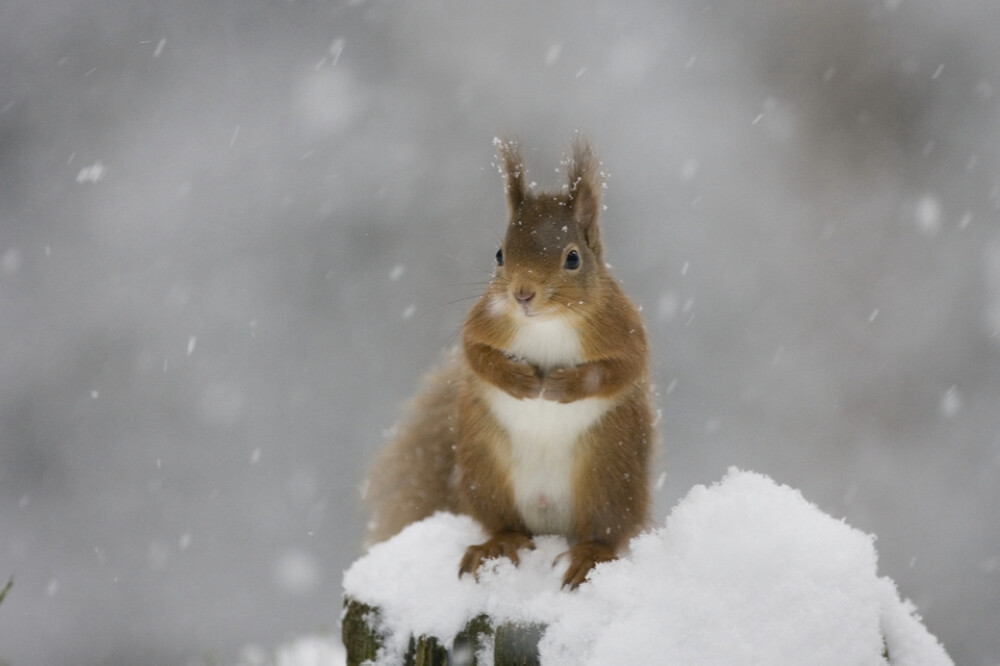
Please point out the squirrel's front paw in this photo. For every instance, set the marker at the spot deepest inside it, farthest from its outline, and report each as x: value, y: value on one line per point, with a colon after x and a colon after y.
x: 524, y: 380
x: 505, y: 544
x: 562, y: 385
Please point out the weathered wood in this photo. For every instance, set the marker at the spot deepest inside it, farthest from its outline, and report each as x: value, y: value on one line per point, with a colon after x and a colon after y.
x: 426, y: 651
x: 517, y: 644
x: 475, y: 637
x: 357, y: 631
x: 509, y: 644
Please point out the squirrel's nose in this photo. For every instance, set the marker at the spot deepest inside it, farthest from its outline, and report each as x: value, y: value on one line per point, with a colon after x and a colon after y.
x: 524, y: 295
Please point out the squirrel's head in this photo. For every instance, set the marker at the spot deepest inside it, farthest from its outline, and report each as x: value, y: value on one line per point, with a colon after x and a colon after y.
x: 550, y: 262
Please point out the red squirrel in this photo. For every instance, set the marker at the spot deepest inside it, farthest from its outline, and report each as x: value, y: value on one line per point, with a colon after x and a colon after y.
x: 540, y: 421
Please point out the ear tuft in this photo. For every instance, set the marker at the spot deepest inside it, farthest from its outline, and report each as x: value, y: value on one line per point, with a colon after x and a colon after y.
x: 585, y: 185
x: 511, y: 167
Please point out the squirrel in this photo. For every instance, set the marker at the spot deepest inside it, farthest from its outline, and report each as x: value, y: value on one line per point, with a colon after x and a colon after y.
x: 540, y: 420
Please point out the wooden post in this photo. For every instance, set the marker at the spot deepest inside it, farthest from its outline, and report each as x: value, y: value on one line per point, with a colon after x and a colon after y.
x: 508, y: 643
x: 360, y: 640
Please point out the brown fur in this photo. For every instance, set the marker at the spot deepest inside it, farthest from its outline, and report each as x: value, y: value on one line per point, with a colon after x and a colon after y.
x: 454, y: 454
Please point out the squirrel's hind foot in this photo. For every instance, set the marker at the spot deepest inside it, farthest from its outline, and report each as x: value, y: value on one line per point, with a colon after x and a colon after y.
x: 583, y: 557
x: 505, y: 544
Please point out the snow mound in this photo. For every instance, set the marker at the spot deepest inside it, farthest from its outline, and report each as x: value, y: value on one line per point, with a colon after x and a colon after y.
x: 745, y: 571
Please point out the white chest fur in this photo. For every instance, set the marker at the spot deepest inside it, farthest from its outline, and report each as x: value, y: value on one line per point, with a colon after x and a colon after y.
x: 544, y: 434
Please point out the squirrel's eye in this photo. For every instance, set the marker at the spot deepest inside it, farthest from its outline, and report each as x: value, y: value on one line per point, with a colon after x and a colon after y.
x: 572, y: 260
x: 500, y: 257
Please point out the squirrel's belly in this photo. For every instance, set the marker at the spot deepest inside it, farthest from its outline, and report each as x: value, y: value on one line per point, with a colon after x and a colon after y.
x: 543, y: 436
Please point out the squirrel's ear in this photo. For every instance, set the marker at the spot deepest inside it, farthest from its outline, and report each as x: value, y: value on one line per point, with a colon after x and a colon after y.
x: 585, y: 185
x: 511, y: 166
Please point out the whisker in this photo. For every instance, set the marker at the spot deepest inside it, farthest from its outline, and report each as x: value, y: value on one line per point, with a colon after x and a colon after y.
x: 470, y: 284
x: 463, y: 299
x: 453, y: 337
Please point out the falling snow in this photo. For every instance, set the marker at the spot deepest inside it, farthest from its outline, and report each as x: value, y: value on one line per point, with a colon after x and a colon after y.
x: 297, y: 572
x: 951, y: 402
x: 928, y: 215
x: 92, y: 174
x: 232, y: 239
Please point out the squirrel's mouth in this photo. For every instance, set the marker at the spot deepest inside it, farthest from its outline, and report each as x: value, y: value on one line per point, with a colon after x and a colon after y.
x: 528, y: 304
x: 529, y: 308
x: 527, y: 300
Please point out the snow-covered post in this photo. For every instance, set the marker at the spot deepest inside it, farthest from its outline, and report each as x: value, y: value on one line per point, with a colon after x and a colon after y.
x: 743, y: 572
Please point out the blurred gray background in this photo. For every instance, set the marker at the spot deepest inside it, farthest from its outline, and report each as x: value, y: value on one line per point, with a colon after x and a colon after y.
x: 233, y: 235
